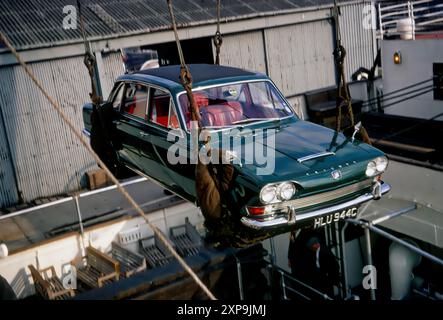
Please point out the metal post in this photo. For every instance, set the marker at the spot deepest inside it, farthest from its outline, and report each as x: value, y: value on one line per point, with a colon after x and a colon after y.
x: 283, y: 284
x: 369, y: 255
x: 411, y: 8
x: 240, y: 279
x: 271, y: 242
x: 339, y: 249
x: 380, y: 21
x: 80, y: 221
x: 345, y: 268
x: 79, y: 215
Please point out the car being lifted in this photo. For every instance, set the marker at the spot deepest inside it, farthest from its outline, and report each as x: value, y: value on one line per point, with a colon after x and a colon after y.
x: 311, y: 176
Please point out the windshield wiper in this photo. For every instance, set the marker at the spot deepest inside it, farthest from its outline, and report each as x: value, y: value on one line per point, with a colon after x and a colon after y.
x: 247, y: 120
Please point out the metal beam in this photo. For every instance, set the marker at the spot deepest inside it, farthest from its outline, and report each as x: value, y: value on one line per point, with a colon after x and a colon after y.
x: 393, y: 214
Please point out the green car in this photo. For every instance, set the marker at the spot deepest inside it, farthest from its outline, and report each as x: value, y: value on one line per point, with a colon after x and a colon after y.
x: 287, y: 173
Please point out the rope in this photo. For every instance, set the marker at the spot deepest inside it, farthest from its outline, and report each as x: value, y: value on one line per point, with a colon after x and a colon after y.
x: 120, y: 188
x: 343, y: 95
x: 89, y: 62
x: 218, y: 37
x: 185, y: 74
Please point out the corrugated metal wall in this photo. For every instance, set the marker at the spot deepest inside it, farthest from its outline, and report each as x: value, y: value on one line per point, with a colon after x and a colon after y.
x: 245, y: 50
x: 47, y: 157
x: 300, y: 56
x: 358, y: 40
x: 112, y: 69
x: 8, y: 187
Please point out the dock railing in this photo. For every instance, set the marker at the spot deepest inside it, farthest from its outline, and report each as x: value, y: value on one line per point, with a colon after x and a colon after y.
x: 425, y: 15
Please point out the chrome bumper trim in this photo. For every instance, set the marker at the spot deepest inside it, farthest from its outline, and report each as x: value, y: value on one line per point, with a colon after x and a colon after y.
x: 283, y: 221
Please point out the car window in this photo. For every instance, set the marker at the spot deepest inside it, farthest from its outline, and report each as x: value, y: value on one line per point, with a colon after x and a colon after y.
x: 117, y: 97
x: 173, y: 119
x: 162, y: 111
x: 263, y: 96
x: 135, y: 100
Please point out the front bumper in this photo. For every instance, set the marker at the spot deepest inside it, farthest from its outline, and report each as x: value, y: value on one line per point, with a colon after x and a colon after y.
x: 292, y: 218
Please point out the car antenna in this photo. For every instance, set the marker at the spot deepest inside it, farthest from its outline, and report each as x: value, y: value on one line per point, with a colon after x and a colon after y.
x: 343, y: 95
x: 218, y: 37
x: 90, y: 63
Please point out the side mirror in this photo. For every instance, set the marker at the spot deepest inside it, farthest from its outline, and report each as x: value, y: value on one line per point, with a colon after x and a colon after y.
x: 357, y: 128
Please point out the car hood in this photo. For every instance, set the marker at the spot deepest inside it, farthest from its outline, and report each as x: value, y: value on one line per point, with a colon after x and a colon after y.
x: 298, y: 139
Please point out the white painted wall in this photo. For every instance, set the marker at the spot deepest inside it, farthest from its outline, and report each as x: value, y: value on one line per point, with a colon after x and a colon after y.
x: 417, y: 59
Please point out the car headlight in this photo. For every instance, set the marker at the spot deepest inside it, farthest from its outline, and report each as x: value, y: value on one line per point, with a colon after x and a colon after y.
x: 285, y: 191
x: 371, y: 169
x: 376, y: 166
x: 268, y: 194
x: 382, y: 163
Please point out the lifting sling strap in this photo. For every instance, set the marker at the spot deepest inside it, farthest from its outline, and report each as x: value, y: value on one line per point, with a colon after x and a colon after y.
x: 343, y: 96
x: 89, y: 62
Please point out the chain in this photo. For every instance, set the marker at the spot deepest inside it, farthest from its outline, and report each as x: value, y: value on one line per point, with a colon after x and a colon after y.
x: 120, y: 188
x: 218, y: 40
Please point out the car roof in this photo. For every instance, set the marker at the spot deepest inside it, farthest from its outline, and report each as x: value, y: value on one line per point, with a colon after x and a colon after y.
x: 202, y: 75
x: 200, y: 72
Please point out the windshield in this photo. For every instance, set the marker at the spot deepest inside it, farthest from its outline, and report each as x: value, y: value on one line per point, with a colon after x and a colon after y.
x: 235, y: 104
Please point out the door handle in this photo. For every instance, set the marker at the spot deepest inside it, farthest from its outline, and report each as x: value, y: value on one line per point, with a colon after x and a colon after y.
x: 143, y: 134
x: 116, y: 122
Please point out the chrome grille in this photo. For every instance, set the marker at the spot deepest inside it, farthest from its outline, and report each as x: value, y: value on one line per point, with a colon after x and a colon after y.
x: 324, y: 197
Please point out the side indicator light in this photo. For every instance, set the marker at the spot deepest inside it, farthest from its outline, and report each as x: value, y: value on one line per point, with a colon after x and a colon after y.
x: 256, y: 211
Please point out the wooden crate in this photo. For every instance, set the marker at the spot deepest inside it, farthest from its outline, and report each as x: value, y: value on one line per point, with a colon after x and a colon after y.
x: 100, y: 269
x: 130, y: 262
x: 48, y: 285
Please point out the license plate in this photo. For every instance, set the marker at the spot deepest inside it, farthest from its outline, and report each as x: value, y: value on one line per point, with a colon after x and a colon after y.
x: 334, y: 217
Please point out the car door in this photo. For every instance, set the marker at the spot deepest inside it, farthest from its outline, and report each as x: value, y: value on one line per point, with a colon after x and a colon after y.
x: 163, y: 120
x: 131, y: 127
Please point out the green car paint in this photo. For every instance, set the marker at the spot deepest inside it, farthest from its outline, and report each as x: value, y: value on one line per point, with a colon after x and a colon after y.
x: 143, y: 148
